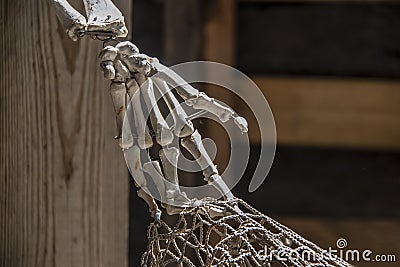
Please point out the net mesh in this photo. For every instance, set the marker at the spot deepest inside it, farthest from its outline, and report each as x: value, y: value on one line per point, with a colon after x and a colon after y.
x: 202, y: 236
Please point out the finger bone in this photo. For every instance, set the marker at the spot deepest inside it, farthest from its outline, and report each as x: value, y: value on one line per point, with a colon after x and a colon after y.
x: 108, y: 53
x: 144, y: 138
x: 164, y: 134
x: 121, y: 72
x: 126, y: 48
x: 182, y: 126
x: 108, y: 70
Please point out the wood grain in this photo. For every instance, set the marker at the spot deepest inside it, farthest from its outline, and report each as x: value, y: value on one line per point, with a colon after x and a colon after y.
x: 360, y: 113
x: 63, y: 189
x: 219, y: 46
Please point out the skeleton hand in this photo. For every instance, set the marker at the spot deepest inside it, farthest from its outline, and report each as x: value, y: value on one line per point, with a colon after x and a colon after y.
x: 131, y: 72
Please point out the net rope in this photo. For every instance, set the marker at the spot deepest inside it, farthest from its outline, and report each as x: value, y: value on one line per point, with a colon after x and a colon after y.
x: 239, y: 237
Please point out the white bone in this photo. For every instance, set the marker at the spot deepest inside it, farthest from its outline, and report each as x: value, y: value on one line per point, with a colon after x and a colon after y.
x: 118, y: 94
x: 108, y: 53
x: 217, y: 181
x: 195, y: 146
x: 121, y: 71
x: 144, y: 139
x: 137, y: 63
x: 73, y: 21
x: 164, y: 134
x: 198, y: 100
x: 140, y: 78
x: 182, y: 126
x: 133, y: 156
x: 242, y: 124
x: 154, y: 170
x: 126, y: 48
x: 153, y: 207
x: 207, y: 103
x: 185, y: 90
x: 105, y: 17
x: 108, y: 69
x: 132, y: 87
x: 169, y: 160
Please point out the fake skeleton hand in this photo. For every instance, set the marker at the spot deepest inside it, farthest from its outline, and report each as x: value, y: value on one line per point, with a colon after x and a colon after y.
x: 124, y: 64
x: 132, y: 72
x: 103, y: 19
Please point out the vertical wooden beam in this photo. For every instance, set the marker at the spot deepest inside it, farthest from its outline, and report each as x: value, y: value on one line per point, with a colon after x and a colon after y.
x: 63, y: 187
x: 182, y: 30
x: 219, y: 31
x: 219, y: 46
x: 183, y: 35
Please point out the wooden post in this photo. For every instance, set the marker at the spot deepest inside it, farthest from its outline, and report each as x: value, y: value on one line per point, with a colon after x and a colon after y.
x: 182, y: 31
x: 219, y: 46
x: 64, y: 183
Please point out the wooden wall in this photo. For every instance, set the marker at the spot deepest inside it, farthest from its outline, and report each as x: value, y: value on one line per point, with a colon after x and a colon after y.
x: 63, y: 187
x: 329, y: 70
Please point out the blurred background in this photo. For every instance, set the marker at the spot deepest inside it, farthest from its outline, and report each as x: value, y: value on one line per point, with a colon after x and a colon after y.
x: 330, y: 71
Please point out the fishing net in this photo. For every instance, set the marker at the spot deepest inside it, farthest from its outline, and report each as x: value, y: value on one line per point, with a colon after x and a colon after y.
x: 240, y: 237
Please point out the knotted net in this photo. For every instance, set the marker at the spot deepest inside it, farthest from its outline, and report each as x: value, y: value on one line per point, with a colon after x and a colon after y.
x: 244, y: 237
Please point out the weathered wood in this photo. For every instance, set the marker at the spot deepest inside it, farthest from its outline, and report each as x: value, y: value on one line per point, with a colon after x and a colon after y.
x: 333, y: 112
x: 182, y: 30
x: 318, y: 38
x: 64, y: 184
x: 219, y: 46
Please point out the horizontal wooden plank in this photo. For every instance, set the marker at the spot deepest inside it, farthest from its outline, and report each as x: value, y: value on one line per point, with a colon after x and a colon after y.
x: 333, y: 112
x: 319, y: 38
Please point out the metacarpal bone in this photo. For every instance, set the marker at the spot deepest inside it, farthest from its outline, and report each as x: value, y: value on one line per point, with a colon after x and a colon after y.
x: 118, y: 94
x: 164, y: 135
x: 185, y: 90
x: 144, y: 139
x: 169, y: 160
x: 182, y: 126
x: 132, y: 87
